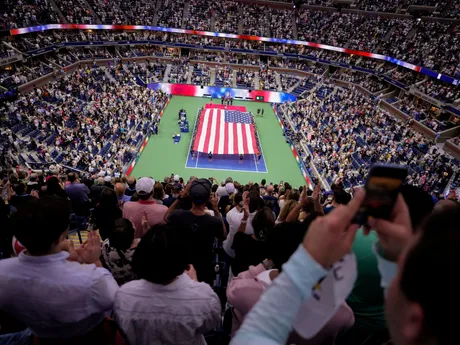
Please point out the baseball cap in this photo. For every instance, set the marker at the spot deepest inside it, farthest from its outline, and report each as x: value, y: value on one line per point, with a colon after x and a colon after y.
x: 176, y: 178
x: 221, y: 191
x: 145, y: 185
x: 200, y: 191
x: 177, y: 186
x: 329, y: 294
x: 107, y: 178
x: 230, y: 188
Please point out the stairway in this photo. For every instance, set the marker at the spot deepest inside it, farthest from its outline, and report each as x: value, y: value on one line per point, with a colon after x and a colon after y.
x: 58, y: 11
x: 412, y: 32
x: 107, y: 73
x: 240, y: 21
x: 213, y: 76
x: 167, y: 71
x: 186, y: 14
x: 295, y: 85
x: 190, y: 74
x: 213, y: 22
x: 256, y: 81
x: 278, y: 81
x: 93, y: 13
x: 234, y: 79
x: 294, y: 26
x: 157, y: 6
x: 266, y: 32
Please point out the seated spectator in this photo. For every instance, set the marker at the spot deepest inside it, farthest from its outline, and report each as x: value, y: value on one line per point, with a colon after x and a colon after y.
x: 245, y: 290
x: 168, y: 305
x: 199, y: 228
x: 118, y: 250
x: 41, y: 226
x: 145, y: 207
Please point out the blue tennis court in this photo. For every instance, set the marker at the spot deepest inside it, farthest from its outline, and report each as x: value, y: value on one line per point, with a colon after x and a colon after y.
x: 227, y: 162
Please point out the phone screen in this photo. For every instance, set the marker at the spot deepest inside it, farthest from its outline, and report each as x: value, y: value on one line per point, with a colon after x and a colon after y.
x: 382, y: 189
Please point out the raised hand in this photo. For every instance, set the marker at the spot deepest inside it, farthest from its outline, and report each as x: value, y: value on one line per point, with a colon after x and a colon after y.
x: 330, y: 237
x: 316, y: 193
x: 214, y: 201
x: 90, y: 251
x: 246, y: 205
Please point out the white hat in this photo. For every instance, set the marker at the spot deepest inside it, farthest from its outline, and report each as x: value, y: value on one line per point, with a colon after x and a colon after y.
x: 145, y: 185
x: 101, y: 174
x: 221, y: 191
x: 230, y: 188
x: 329, y: 295
x: 176, y: 178
x: 108, y: 178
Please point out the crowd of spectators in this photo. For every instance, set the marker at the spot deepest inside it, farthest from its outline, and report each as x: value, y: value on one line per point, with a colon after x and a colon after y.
x: 267, y: 78
x: 227, y: 17
x: 24, y: 13
x: 224, y: 76
x: 280, y: 23
x: 254, y: 20
x: 75, y: 12
x: 167, y: 256
x: 345, y: 133
x: 200, y: 16
x: 170, y: 14
x: 85, y: 120
x: 245, y: 78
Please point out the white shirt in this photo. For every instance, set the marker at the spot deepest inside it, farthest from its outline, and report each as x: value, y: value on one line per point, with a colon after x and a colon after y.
x: 178, y: 313
x: 234, y: 220
x: 54, y: 297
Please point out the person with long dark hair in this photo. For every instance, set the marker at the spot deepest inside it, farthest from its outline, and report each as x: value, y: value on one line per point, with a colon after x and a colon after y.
x: 106, y: 212
x: 118, y: 250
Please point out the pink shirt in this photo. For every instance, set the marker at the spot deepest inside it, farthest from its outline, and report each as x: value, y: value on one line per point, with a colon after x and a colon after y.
x: 244, y: 292
x: 136, y: 210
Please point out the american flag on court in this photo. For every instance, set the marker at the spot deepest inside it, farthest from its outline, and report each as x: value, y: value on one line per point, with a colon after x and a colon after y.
x: 228, y: 132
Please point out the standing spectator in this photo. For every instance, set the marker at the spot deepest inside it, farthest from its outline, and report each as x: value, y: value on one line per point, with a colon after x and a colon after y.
x: 53, y: 187
x: 271, y: 201
x: 20, y: 196
x: 131, y: 189
x: 118, y: 250
x: 234, y: 217
x: 121, y: 196
x: 251, y: 249
x: 168, y: 305
x: 175, y: 194
x: 78, y: 194
x: 45, y: 271
x: 33, y: 183
x: 106, y: 212
x: 199, y: 228
x: 146, y: 206
x: 96, y: 190
x: 245, y: 290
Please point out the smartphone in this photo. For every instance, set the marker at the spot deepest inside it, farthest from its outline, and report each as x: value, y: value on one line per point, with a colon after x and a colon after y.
x: 382, y: 188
